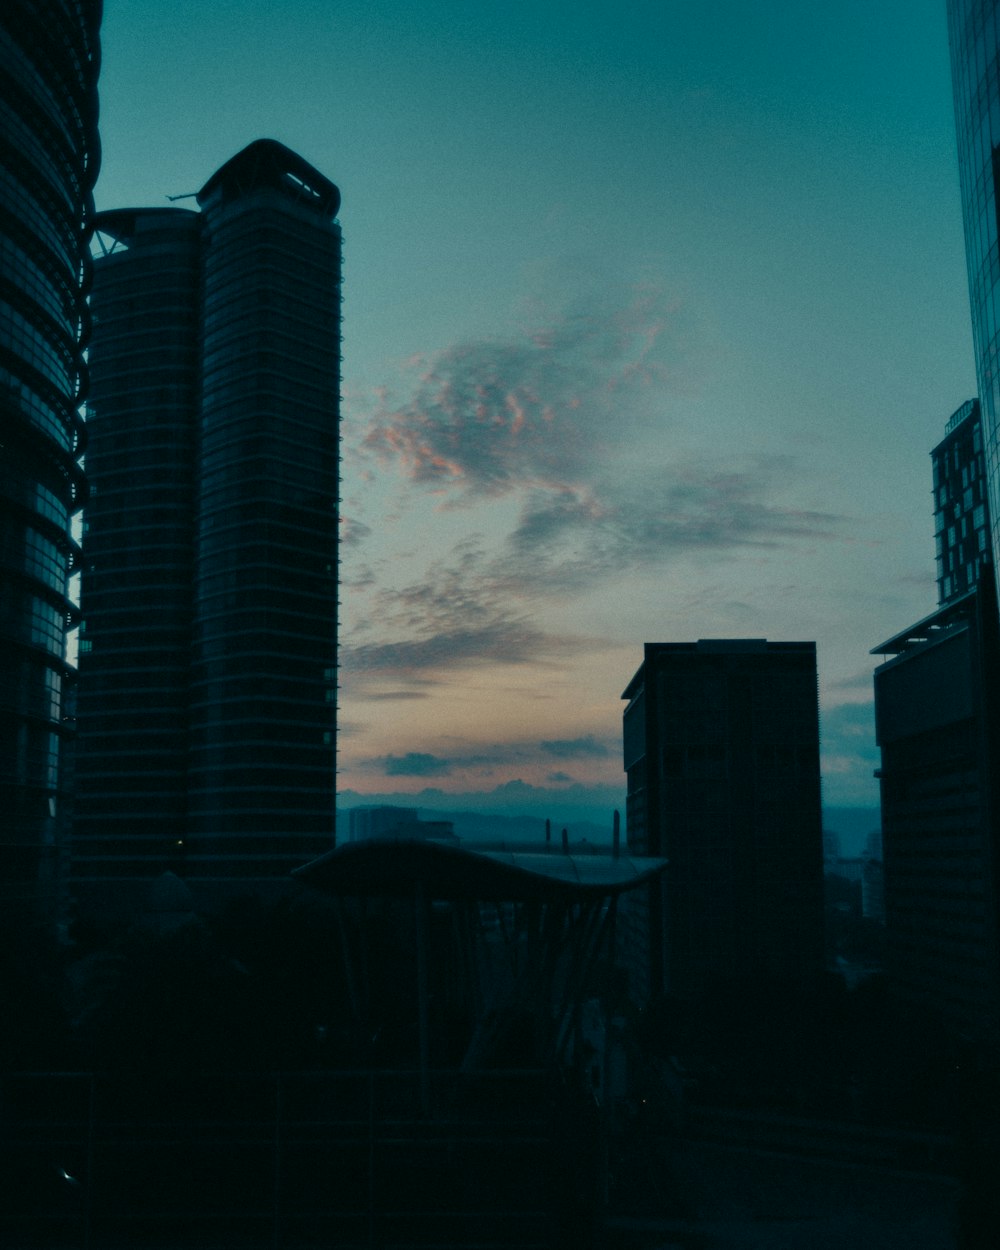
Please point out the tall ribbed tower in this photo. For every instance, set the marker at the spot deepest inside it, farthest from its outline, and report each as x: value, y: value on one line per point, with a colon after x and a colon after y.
x: 49, y: 156
x: 974, y: 37
x: 135, y: 640
x: 208, y: 671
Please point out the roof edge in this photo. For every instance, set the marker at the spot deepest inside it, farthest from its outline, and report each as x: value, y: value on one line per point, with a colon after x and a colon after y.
x: 268, y: 163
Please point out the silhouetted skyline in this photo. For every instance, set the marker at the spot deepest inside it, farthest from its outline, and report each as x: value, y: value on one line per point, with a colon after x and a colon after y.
x: 652, y: 316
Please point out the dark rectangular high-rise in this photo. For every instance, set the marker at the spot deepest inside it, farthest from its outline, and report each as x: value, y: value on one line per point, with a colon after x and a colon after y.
x: 208, y: 657
x: 936, y: 722
x: 722, y: 755
x: 938, y: 731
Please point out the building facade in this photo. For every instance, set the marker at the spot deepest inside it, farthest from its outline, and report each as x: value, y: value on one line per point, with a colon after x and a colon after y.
x: 397, y: 824
x: 208, y: 663
x: 721, y: 745
x: 135, y: 639
x: 378, y: 822
x: 936, y: 727
x: 974, y: 39
x: 49, y: 157
x: 961, y: 512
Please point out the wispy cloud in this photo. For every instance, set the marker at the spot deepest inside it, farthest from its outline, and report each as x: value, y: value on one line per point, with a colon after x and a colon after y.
x: 389, y: 695
x: 482, y: 758
x: 571, y: 423
x: 491, y: 416
x: 352, y: 532
x: 577, y: 420
x: 576, y: 537
x: 855, y: 688
x: 459, y: 615
x: 576, y: 748
x: 416, y: 764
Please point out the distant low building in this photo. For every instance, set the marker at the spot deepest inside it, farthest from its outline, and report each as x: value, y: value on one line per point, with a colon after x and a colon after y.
x: 376, y: 822
x: 399, y: 823
x: 850, y: 869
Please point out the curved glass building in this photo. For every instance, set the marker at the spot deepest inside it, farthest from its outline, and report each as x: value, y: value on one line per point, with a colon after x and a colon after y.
x: 209, y: 636
x: 49, y: 156
x: 974, y: 36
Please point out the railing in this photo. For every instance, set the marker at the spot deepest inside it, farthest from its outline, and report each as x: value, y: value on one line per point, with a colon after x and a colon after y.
x: 957, y: 417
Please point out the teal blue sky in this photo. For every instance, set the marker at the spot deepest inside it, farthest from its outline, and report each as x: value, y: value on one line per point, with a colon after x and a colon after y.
x: 653, y: 312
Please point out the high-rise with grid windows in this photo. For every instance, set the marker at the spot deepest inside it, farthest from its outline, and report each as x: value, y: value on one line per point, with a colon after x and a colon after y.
x: 937, y: 726
x: 207, y: 713
x: 721, y: 740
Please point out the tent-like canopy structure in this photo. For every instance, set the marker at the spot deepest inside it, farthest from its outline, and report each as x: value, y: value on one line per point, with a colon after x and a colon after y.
x: 445, y: 872
x: 511, y: 937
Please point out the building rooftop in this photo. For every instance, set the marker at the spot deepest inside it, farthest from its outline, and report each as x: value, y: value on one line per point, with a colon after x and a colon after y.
x: 713, y: 646
x: 394, y: 868
x: 930, y: 628
x: 267, y: 163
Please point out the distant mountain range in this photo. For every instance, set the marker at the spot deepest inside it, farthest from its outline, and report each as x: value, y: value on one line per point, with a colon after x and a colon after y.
x: 585, y: 812
x: 492, y: 827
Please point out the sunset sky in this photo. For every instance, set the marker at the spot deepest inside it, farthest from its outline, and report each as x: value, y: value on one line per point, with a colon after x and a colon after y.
x: 653, y: 312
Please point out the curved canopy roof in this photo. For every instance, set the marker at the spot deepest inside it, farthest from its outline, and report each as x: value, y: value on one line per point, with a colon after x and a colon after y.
x: 121, y: 224
x: 384, y: 867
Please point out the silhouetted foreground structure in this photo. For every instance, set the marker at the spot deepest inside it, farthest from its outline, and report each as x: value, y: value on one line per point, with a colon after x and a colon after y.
x: 225, y: 1161
x: 208, y: 647
x: 936, y: 724
x: 49, y: 156
x: 470, y: 1116
x: 721, y: 743
x: 504, y: 943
